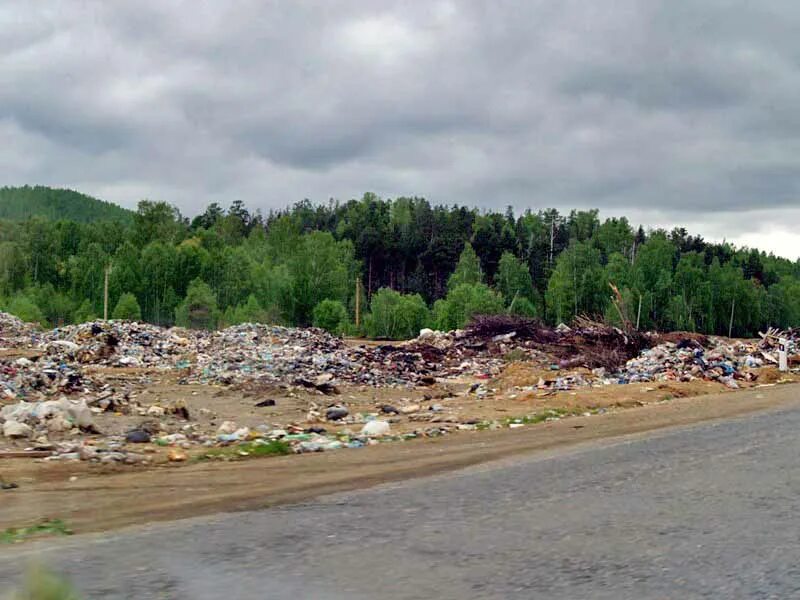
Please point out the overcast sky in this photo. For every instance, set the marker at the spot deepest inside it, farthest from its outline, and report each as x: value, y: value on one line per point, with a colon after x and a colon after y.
x: 673, y: 113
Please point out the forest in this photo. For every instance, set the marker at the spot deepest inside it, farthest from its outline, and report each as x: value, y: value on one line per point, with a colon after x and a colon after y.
x: 20, y: 203
x: 377, y: 267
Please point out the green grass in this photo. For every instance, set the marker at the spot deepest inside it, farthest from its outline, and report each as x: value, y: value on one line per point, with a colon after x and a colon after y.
x: 14, y: 535
x: 550, y: 413
x: 247, y: 450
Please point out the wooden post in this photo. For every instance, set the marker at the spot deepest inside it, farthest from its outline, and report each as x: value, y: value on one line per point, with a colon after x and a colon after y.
x: 358, y: 302
x: 105, y: 292
x: 730, y: 326
x: 639, y: 312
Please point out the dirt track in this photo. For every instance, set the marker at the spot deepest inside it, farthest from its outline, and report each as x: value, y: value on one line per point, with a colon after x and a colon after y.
x: 96, y: 502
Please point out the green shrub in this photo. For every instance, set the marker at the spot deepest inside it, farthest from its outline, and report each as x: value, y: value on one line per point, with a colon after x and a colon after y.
x: 396, y: 316
x: 522, y: 307
x: 248, y: 312
x: 84, y: 313
x: 127, y: 308
x: 199, y: 309
x: 26, y: 309
x: 464, y: 302
x: 330, y: 315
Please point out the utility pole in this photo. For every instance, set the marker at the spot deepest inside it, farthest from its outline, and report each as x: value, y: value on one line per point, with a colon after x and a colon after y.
x: 730, y: 326
x: 358, y: 302
x: 105, y: 292
x: 552, y: 237
x: 639, y: 313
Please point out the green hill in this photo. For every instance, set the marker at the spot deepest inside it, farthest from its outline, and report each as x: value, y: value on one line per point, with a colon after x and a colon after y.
x: 20, y: 203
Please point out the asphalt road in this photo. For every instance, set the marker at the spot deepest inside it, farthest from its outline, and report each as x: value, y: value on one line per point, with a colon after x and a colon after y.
x: 710, y: 511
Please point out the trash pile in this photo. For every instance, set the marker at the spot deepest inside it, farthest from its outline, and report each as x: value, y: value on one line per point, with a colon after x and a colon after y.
x: 312, y: 358
x: 694, y: 357
x: 117, y: 344
x: 587, y: 344
x: 272, y: 354
x: 483, y: 346
x: 770, y: 341
x: 19, y: 420
x: 59, y: 394
x: 688, y: 360
x: 46, y: 377
x: 16, y: 333
x: 248, y: 352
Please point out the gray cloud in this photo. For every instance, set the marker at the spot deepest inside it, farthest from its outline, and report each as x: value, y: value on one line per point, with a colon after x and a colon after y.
x: 677, y: 113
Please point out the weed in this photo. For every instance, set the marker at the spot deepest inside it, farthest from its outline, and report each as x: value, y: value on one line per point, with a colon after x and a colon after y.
x: 551, y: 413
x: 14, y: 535
x: 247, y: 450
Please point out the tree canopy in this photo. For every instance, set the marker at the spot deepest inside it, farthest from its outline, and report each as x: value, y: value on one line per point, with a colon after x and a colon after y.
x: 414, y: 264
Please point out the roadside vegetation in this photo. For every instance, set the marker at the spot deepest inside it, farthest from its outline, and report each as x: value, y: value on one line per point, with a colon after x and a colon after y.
x: 246, y: 450
x: 48, y: 527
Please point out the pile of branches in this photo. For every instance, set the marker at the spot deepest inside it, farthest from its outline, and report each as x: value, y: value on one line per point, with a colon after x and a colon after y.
x: 682, y: 339
x: 587, y: 343
x: 591, y: 344
x: 485, y: 327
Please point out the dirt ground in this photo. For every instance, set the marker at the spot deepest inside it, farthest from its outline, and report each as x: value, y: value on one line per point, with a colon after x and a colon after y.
x: 96, y: 497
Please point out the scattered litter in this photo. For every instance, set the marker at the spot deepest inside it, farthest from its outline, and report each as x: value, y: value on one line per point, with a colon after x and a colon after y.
x: 376, y: 428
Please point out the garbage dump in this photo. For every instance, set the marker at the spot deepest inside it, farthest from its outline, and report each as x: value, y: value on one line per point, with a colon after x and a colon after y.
x: 65, y: 392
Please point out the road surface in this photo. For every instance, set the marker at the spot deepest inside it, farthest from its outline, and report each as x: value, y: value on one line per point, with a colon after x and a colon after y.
x: 707, y: 511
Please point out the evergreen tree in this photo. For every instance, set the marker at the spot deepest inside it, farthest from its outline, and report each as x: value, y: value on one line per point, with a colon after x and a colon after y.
x: 468, y: 270
x: 127, y: 308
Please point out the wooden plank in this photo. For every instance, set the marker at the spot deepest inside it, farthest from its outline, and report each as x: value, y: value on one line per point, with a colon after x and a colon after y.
x: 25, y: 454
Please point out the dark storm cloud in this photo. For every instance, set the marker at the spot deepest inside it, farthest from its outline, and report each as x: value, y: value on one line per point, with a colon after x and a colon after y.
x: 671, y: 112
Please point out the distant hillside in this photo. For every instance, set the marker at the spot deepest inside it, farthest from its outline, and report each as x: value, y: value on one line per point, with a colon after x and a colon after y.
x: 20, y: 203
